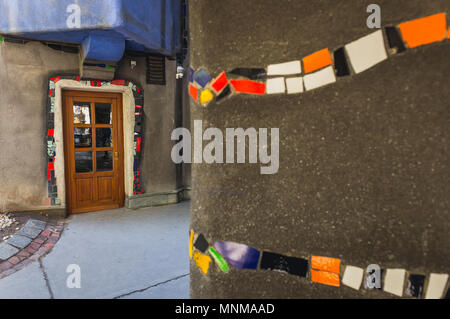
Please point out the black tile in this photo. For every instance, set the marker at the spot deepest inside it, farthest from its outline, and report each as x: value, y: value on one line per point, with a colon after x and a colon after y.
x: 340, y: 63
x: 225, y: 92
x: 447, y: 296
x: 251, y: 73
x: 414, y: 286
x: 290, y: 265
x: 137, y: 128
x: 366, y: 278
x: 201, y: 243
x: 394, y: 39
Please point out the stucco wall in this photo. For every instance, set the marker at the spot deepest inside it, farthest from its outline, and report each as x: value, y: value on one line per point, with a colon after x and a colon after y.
x: 363, y: 162
x: 158, y: 169
x: 24, y: 73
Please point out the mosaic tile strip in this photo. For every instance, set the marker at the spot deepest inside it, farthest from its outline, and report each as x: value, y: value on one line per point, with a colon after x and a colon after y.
x: 317, y: 61
x: 201, y: 243
x: 436, y: 286
x: 238, y: 255
x: 319, y: 67
x: 366, y: 52
x: 322, y: 270
x: 414, y: 287
x: 248, y: 87
x: 394, y: 281
x: 424, y: 30
x: 394, y: 40
x: 51, y: 153
x: 286, y: 264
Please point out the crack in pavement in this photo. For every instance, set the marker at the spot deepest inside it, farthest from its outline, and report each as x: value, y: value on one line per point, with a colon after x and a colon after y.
x: 47, y: 283
x: 152, y: 286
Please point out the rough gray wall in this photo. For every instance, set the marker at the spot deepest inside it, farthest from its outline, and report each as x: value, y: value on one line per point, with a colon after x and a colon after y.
x: 24, y: 73
x: 364, y: 162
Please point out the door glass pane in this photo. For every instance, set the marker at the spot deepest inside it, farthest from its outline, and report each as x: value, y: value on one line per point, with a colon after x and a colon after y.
x: 81, y: 113
x: 104, y: 161
x: 83, y: 162
x: 83, y: 137
x: 103, y: 137
x: 103, y: 114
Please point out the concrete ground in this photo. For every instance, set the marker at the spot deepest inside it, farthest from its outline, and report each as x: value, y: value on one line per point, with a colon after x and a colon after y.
x: 121, y: 254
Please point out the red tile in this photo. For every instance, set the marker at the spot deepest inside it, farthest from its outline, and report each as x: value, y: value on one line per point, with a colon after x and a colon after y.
x: 51, y: 166
x: 118, y: 82
x: 248, y: 87
x: 51, y: 132
x: 138, y: 144
x: 193, y: 91
x: 220, y: 82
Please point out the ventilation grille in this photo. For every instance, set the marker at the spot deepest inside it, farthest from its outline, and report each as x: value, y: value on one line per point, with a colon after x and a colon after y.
x: 156, y: 69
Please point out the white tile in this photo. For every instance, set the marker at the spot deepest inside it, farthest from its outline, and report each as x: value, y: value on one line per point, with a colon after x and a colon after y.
x: 319, y: 78
x: 436, y: 286
x: 353, y: 277
x: 275, y: 85
x: 394, y: 281
x: 364, y: 53
x: 294, y: 85
x: 293, y: 67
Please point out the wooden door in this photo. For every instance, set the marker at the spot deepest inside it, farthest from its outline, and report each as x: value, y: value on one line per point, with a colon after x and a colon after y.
x: 93, y: 147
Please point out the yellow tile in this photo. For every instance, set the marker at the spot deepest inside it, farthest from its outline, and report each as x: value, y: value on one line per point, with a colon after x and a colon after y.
x: 202, y: 261
x: 191, y: 244
x: 206, y: 96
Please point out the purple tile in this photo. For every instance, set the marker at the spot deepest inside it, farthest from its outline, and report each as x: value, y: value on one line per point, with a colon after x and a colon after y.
x: 202, y: 77
x: 239, y: 255
x: 191, y: 75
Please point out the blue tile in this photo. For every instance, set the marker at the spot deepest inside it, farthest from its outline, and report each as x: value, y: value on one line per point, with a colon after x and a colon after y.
x: 240, y: 256
x: 202, y: 77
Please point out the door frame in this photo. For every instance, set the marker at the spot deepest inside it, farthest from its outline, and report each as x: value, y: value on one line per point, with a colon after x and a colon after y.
x: 68, y: 153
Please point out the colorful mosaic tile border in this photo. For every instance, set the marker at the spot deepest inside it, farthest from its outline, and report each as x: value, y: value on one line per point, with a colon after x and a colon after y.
x: 322, y: 270
x: 320, y: 68
x: 51, y: 143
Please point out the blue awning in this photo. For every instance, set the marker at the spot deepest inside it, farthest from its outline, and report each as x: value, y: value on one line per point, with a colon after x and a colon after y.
x: 104, y: 28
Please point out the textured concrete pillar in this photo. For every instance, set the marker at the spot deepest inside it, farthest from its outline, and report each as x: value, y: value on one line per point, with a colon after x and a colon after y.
x: 364, y: 161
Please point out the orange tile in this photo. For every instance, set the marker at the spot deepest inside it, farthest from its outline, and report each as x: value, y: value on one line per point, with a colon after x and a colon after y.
x: 193, y: 91
x: 317, y: 60
x: 326, y: 264
x: 448, y: 33
x: 424, y: 30
x: 326, y: 278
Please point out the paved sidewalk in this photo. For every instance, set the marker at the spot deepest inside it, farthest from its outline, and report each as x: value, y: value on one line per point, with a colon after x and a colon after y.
x: 121, y: 253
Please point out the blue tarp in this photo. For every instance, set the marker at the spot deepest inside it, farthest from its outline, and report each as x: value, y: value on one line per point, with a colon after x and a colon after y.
x: 106, y: 27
